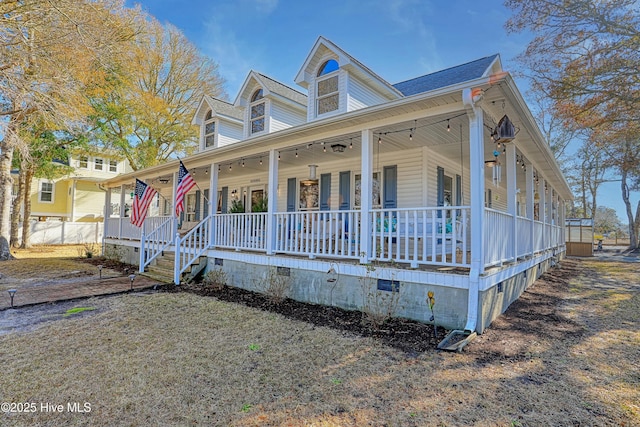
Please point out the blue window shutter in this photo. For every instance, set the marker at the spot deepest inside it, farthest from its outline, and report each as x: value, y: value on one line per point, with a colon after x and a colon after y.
x: 458, y: 190
x: 345, y: 190
x: 205, y: 210
x: 198, y: 194
x: 325, y: 191
x: 291, y: 194
x: 225, y: 196
x: 440, y: 186
x: 390, y: 186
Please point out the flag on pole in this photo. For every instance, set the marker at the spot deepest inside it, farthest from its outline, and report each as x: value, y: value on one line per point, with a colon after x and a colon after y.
x: 142, y: 198
x: 185, y: 183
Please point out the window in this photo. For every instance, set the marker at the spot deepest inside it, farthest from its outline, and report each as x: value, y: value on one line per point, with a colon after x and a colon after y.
x: 190, y: 207
x: 209, y: 130
x: 327, y: 97
x: 257, y: 112
x: 97, y: 164
x: 83, y: 162
x: 113, y: 166
x: 375, y: 201
x: 46, y: 192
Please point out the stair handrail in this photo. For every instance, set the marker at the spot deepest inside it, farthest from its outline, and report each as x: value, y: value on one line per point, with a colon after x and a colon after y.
x: 190, y: 247
x: 155, y: 242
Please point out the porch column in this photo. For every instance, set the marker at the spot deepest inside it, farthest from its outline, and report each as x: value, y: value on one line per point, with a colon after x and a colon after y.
x: 213, y: 202
x: 542, y: 209
x: 272, y: 198
x: 476, y: 176
x: 73, y: 200
x: 511, y: 197
x: 173, y: 210
x: 122, y: 203
x: 107, y: 215
x: 366, y: 198
x: 529, y: 202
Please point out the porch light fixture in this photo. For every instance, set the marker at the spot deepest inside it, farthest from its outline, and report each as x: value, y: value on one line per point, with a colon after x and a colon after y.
x: 163, y: 180
x: 312, y: 176
x: 12, y: 293
x: 505, y: 131
x: 338, y: 148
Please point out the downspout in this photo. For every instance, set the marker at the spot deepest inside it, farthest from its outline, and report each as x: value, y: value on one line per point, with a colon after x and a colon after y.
x: 471, y: 98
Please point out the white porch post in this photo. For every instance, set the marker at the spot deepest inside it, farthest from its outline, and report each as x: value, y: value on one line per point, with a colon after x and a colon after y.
x: 511, y: 197
x: 173, y: 205
x: 122, y: 201
x: 530, y: 201
x: 107, y: 214
x: 542, y: 209
x: 272, y: 198
x: 176, y: 242
x: 213, y: 201
x: 476, y: 177
x: 73, y: 200
x: 366, y: 198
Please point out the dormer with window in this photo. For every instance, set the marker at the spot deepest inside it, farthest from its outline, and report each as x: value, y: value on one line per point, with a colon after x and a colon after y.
x: 269, y: 106
x: 220, y: 123
x: 337, y: 83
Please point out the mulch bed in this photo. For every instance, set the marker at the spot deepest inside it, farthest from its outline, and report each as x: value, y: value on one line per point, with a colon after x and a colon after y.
x: 409, y: 336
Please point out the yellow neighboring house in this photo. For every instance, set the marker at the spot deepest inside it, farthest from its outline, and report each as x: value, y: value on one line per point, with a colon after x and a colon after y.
x: 76, y: 197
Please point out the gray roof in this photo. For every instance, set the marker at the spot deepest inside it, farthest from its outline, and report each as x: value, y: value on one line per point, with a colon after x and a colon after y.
x: 226, y: 109
x: 450, y: 76
x: 283, y: 90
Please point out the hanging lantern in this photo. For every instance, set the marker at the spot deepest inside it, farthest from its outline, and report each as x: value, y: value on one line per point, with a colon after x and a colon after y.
x: 505, y: 131
x: 496, y: 168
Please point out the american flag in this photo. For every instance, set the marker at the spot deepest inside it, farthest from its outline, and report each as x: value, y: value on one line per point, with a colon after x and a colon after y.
x: 185, y: 183
x: 141, y: 200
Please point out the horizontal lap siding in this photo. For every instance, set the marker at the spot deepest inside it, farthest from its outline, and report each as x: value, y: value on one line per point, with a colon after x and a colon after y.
x: 283, y: 116
x: 228, y: 133
x: 360, y: 95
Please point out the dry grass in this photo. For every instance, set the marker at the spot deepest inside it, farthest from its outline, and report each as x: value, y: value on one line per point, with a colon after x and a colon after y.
x: 181, y: 359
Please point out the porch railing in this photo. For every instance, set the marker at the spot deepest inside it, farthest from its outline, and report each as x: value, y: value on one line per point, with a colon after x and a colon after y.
x: 498, y: 232
x: 538, y: 236
x: 438, y: 236
x: 525, y: 241
x: 158, y: 239
x: 243, y: 231
x: 329, y: 233
x: 191, y: 246
x: 122, y: 229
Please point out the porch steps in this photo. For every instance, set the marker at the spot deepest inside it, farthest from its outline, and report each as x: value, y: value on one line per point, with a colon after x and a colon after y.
x: 161, y: 268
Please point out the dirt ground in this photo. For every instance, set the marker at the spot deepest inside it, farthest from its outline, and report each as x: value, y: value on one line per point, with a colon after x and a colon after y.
x: 565, y: 353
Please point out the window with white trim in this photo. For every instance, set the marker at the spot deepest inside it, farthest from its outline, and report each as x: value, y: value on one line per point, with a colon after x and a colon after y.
x: 327, y: 94
x: 83, y: 163
x: 45, y: 195
x: 209, y: 130
x: 98, y: 164
x: 257, y: 112
x: 113, y: 166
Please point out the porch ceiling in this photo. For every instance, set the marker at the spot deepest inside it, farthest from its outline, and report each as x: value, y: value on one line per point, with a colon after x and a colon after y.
x: 436, y: 120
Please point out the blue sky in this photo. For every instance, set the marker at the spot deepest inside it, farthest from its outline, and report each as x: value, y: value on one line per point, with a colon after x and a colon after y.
x: 397, y: 39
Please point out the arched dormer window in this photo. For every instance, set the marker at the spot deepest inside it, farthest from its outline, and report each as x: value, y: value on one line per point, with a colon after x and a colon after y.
x: 257, y: 111
x: 328, y: 67
x: 327, y: 95
x: 209, y: 130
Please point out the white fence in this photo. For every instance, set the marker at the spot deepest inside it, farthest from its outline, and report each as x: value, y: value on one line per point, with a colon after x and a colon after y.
x: 60, y: 232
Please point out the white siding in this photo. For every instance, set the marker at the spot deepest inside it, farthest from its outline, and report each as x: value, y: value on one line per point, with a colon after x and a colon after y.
x: 228, y: 133
x: 284, y: 116
x: 360, y: 95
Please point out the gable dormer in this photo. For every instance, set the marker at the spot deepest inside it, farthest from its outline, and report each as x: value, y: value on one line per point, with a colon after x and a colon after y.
x: 269, y: 105
x: 338, y: 83
x: 220, y: 123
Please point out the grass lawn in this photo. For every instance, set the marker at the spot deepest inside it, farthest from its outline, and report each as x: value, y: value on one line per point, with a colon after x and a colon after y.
x: 567, y: 353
